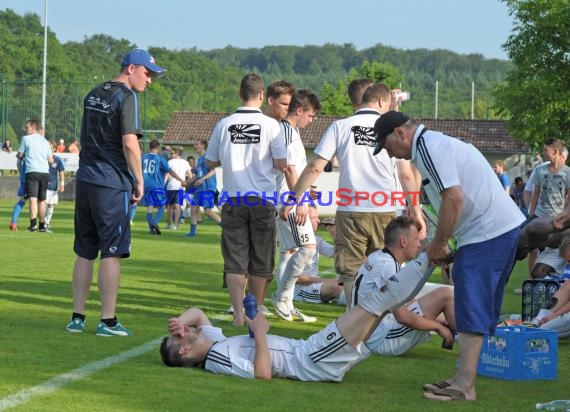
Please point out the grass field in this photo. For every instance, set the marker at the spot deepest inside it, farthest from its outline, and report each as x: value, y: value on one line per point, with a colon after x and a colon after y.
x: 44, y: 368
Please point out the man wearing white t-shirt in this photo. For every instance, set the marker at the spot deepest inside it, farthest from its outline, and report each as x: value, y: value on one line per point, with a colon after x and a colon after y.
x: 297, y: 243
x: 246, y: 145
x: 473, y: 208
x: 367, y: 183
x: 181, y: 168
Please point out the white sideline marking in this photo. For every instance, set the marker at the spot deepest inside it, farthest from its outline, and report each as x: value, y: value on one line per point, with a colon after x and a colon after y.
x: 75, y: 375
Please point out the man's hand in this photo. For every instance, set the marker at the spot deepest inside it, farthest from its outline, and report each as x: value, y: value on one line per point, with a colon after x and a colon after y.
x: 561, y: 219
x: 177, y: 328
x: 446, y: 334
x: 258, y: 324
x: 437, y: 252
x: 301, y: 215
x: 138, y: 191
x: 284, y: 212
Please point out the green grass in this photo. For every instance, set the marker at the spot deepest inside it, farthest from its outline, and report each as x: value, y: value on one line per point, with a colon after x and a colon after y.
x: 164, y: 276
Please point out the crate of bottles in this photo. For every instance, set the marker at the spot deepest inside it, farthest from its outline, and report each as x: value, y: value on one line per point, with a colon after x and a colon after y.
x: 535, y: 295
x: 517, y: 353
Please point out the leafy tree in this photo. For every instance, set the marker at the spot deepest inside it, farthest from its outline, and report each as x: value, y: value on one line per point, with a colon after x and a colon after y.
x: 335, y: 100
x: 536, y: 95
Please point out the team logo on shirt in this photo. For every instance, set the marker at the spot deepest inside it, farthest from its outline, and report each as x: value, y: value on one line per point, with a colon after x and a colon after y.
x: 363, y: 136
x: 244, y: 133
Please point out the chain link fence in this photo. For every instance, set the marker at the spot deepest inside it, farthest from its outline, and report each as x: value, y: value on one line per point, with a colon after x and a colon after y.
x: 20, y: 100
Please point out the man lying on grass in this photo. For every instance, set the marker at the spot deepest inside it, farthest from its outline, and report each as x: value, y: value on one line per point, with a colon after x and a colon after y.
x: 324, y: 356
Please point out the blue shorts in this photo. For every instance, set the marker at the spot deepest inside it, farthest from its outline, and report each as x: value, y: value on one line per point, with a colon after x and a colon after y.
x: 480, y: 272
x: 204, y: 198
x: 157, y: 197
x: 102, y: 222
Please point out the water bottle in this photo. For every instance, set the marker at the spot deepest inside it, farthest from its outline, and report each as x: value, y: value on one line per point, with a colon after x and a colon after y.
x: 250, y: 308
x: 561, y: 405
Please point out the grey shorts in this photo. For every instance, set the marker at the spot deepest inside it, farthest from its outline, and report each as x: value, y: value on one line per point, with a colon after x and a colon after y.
x: 248, y: 238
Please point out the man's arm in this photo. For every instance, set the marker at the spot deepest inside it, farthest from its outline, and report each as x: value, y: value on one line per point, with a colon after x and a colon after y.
x: 411, y: 182
x: 132, y: 152
x: 307, y: 178
x: 534, y: 200
x: 192, y: 317
x: 61, y: 181
x: 262, y: 361
x: 448, y: 217
x: 175, y: 175
x: 211, y: 165
x: 414, y: 321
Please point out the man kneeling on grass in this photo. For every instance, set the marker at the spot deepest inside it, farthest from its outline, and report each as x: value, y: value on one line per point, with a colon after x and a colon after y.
x: 325, y: 356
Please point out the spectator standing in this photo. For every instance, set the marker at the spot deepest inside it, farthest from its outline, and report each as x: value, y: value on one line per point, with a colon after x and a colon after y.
x: 108, y: 180
x: 205, y: 183
x: 74, y: 147
x: 60, y: 147
x: 181, y: 168
x: 36, y: 151
x: 155, y: 168
x: 56, y: 183
x: 463, y: 189
x: 7, y: 146
x: 500, y: 169
x: 246, y: 144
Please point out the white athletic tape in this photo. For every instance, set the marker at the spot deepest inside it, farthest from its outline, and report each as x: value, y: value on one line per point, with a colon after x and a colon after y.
x: 75, y: 375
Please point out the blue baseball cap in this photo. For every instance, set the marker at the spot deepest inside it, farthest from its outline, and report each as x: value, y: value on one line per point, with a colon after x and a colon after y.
x: 141, y: 57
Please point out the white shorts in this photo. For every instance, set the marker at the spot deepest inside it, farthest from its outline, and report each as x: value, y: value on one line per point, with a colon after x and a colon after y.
x: 551, y: 258
x: 560, y: 324
x: 308, y: 293
x: 291, y: 236
x: 312, y: 294
x: 327, y: 356
x: 391, y: 338
x: 51, y: 197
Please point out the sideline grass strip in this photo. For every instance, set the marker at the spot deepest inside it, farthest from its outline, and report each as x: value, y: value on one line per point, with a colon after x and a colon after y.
x: 75, y: 375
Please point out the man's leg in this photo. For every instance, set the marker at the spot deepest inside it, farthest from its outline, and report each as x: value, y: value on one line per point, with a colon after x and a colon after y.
x: 109, y: 274
x: 82, y: 277
x: 236, y: 287
x: 439, y: 301
x: 42, y: 212
x: 33, y: 207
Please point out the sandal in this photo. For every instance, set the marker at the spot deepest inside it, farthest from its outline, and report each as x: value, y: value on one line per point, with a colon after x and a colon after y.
x: 445, y: 395
x: 437, y: 386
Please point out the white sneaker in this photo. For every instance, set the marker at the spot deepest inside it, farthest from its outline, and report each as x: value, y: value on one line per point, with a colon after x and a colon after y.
x: 230, y: 310
x: 281, y: 308
x: 266, y: 312
x: 298, y: 315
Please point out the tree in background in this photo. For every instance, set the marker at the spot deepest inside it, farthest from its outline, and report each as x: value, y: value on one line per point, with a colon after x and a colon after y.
x: 335, y: 100
x: 536, y: 94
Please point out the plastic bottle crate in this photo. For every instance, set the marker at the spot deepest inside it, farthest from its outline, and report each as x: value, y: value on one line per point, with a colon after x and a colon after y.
x: 535, y: 294
x: 517, y: 353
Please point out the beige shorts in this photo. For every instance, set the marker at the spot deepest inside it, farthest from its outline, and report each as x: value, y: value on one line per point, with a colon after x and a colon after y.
x: 358, y: 234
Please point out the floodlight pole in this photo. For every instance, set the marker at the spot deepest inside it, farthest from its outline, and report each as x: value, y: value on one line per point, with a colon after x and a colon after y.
x: 44, y: 74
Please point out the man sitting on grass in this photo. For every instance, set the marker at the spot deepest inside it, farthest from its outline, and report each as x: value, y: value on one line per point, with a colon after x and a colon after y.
x: 324, y: 356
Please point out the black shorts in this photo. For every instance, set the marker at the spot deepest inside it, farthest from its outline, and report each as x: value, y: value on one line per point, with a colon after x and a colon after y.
x: 248, y: 238
x: 36, y: 185
x: 102, y: 222
x: 173, y: 197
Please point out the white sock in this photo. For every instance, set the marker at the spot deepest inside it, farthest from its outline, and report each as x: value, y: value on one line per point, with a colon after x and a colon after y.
x: 294, y: 268
x: 49, y: 213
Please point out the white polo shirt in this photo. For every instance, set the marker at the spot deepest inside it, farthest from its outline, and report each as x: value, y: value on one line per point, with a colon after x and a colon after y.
x: 352, y: 141
x: 245, y: 143
x: 444, y: 162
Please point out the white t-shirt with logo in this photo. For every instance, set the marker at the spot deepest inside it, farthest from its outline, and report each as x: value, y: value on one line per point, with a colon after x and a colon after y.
x: 245, y: 143
x: 361, y: 174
